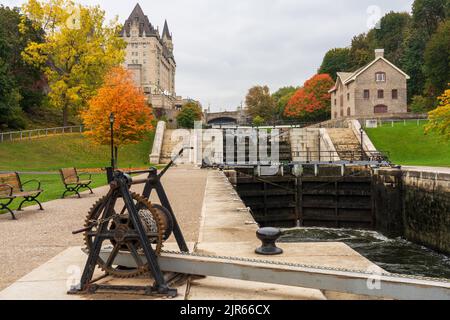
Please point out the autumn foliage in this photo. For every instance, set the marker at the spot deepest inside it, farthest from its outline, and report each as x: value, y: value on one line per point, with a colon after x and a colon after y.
x: 133, y: 117
x: 440, y: 117
x: 312, y: 101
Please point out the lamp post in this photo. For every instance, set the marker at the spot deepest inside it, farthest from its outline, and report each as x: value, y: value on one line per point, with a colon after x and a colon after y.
x: 111, y: 122
x: 361, y: 130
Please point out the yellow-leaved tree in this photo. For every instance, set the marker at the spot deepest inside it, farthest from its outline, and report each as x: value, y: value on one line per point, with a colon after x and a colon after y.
x: 440, y: 117
x: 118, y: 95
x: 78, y: 50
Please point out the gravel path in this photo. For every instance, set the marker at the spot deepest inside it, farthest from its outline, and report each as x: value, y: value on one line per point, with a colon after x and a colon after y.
x: 37, y: 236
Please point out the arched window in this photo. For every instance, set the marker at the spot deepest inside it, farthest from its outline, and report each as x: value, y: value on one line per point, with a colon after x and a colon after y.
x: 348, y: 112
x: 335, y: 115
x: 380, y: 77
x: 381, y: 108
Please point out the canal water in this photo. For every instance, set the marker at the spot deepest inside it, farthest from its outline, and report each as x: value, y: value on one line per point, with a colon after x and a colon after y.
x: 393, y: 255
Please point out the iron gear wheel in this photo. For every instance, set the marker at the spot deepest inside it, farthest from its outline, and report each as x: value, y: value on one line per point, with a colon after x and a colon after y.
x: 153, y: 221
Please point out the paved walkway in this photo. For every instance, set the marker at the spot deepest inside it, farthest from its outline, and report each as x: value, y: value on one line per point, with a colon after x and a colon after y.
x: 37, y: 236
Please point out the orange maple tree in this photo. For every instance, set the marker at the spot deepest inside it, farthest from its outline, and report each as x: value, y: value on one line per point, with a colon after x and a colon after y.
x: 133, y: 116
x: 312, y: 101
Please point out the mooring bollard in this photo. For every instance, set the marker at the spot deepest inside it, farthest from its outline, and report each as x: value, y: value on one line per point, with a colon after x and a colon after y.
x: 268, y: 237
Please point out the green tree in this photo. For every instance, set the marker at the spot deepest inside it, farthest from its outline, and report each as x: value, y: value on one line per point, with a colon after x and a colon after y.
x: 282, y: 97
x: 78, y: 51
x: 20, y: 84
x: 412, y: 61
x: 426, y: 16
x: 391, y: 35
x: 336, y: 60
x: 421, y: 104
x: 189, y: 113
x: 258, y: 121
x: 260, y: 102
x: 437, y: 61
x: 362, y: 50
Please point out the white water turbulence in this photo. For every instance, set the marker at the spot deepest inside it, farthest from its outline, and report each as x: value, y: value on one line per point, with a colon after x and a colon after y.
x: 393, y: 255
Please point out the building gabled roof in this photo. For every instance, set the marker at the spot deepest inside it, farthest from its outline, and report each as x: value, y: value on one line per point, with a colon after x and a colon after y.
x: 145, y: 27
x: 347, y: 77
x: 341, y: 76
x: 344, y: 75
x: 166, y: 32
x: 360, y: 71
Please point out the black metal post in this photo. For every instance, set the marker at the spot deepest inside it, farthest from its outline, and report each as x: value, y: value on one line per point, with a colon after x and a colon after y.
x: 111, y: 122
x: 362, y: 143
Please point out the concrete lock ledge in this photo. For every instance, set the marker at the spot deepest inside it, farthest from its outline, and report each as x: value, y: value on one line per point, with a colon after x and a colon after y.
x: 227, y: 229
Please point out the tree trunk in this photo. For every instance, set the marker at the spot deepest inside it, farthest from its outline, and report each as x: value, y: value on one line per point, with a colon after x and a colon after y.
x: 65, y: 114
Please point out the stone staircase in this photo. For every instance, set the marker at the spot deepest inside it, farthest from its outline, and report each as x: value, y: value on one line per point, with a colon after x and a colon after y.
x: 346, y: 144
x: 167, y: 147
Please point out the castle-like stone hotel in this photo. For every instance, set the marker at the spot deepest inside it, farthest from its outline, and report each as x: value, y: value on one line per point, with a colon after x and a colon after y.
x: 150, y: 58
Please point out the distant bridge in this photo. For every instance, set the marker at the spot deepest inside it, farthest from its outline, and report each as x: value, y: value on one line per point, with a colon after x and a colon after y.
x: 226, y: 117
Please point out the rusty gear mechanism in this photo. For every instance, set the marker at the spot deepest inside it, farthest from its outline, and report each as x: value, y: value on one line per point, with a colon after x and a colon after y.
x: 155, y: 220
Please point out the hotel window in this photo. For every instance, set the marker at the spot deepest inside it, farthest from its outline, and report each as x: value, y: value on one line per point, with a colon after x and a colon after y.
x: 348, y: 112
x: 380, y: 77
x: 380, y: 94
x: 395, y: 94
x: 366, y: 94
x: 348, y: 96
x: 335, y: 102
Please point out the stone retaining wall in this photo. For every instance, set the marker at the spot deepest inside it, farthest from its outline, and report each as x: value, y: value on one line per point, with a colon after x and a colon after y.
x: 415, y: 205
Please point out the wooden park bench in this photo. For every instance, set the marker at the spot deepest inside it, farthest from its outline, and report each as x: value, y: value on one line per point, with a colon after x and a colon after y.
x: 12, y: 188
x: 73, y: 182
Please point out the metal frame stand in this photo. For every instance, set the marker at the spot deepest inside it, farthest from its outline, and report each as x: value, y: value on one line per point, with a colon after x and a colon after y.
x: 120, y: 184
x: 120, y: 189
x: 154, y: 184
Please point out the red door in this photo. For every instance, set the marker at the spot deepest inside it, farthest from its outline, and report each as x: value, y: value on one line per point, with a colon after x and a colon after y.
x: 381, y: 108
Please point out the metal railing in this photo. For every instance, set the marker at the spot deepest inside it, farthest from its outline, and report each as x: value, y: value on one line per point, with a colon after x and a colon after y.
x: 396, y: 122
x: 38, y: 133
x: 335, y: 157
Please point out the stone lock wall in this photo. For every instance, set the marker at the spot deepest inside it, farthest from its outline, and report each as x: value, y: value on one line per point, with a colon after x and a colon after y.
x: 415, y: 205
x: 426, y: 212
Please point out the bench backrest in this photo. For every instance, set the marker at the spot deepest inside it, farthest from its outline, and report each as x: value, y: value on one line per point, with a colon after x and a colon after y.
x: 69, y: 175
x: 12, y: 179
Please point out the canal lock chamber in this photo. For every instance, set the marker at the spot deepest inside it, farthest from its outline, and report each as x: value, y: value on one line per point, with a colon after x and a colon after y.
x: 398, y: 219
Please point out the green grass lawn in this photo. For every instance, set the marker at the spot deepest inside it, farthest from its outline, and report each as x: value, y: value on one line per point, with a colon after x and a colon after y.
x: 72, y: 150
x: 408, y: 144
x: 52, y: 186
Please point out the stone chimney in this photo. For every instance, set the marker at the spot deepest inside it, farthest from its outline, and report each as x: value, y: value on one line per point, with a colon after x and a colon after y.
x: 379, y: 53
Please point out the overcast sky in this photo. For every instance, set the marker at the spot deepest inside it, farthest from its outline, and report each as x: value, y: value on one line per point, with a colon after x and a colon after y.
x: 223, y: 47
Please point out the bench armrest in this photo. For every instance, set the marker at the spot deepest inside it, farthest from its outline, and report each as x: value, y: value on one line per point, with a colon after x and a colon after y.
x: 85, y: 174
x: 30, y: 181
x: 11, y: 189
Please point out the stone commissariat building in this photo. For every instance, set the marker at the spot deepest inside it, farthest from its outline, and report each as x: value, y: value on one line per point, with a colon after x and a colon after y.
x: 150, y: 58
x: 376, y: 90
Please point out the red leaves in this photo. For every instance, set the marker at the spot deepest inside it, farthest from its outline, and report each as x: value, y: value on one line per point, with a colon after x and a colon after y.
x: 312, y: 98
